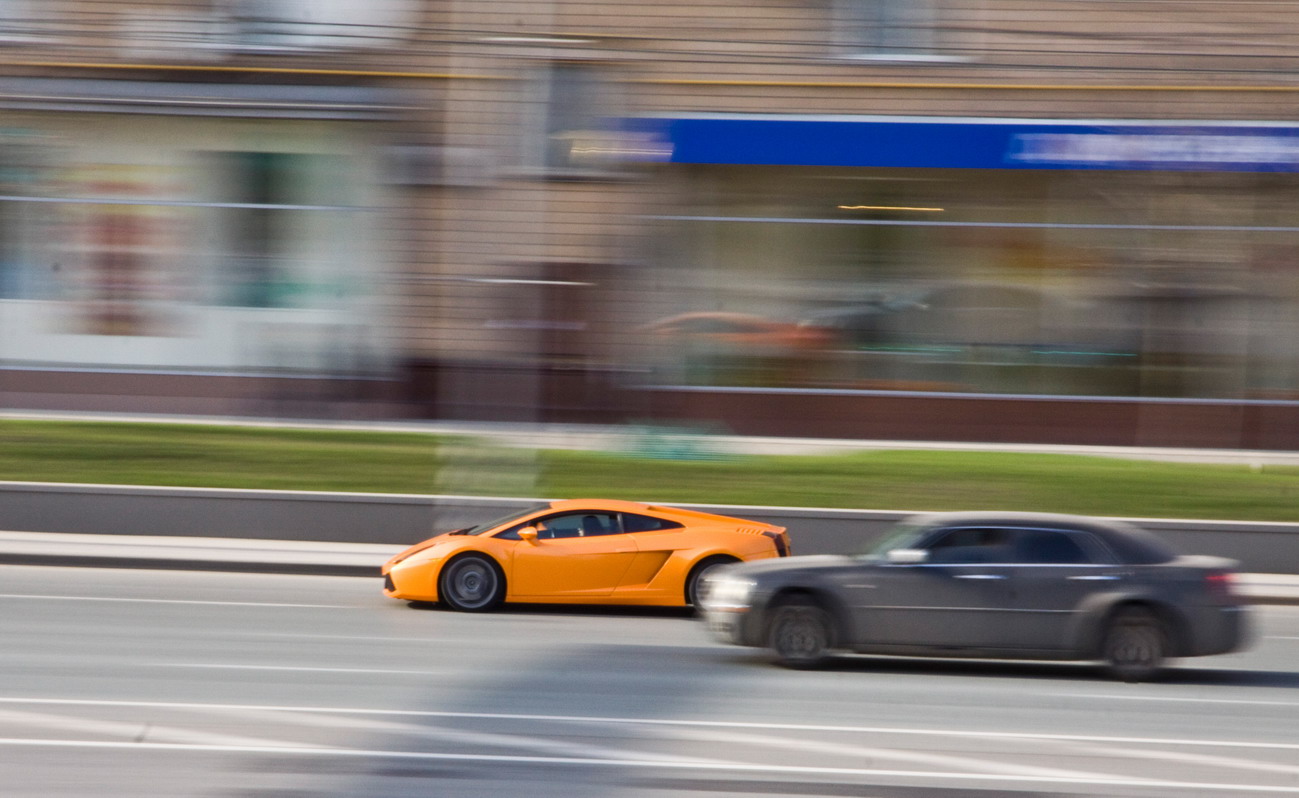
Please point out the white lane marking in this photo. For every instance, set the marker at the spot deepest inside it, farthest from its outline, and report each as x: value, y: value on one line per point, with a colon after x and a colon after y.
x: 1279, y: 637
x: 215, y: 666
x: 1175, y: 699
x: 462, y: 736
x: 969, y: 763
x: 660, y: 722
x: 176, y: 601
x: 414, y: 637
x: 1190, y: 758
x: 665, y: 765
x: 132, y: 731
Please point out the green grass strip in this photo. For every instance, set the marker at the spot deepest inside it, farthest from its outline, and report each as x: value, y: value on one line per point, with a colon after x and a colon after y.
x: 395, y: 462
x: 944, y: 480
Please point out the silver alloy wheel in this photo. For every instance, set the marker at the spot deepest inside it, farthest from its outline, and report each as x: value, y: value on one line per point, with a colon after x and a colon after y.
x: 799, y: 635
x: 1135, y: 645
x: 470, y: 583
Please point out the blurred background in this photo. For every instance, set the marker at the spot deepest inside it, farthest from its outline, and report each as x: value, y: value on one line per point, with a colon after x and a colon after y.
x: 539, y: 247
x: 983, y: 220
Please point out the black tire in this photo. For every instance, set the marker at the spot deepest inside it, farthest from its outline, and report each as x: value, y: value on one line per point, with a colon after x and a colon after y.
x: 800, y: 634
x: 471, y: 583
x: 695, y: 581
x: 1135, y: 645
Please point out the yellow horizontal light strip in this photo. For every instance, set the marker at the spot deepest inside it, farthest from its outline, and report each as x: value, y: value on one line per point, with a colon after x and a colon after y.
x: 373, y: 73
x: 886, y: 208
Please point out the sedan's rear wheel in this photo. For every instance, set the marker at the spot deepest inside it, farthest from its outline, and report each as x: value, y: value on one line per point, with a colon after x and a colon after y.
x: 1135, y: 645
x: 800, y: 634
x: 472, y: 583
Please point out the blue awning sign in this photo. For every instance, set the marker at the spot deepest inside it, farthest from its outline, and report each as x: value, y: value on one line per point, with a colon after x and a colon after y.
x: 970, y: 143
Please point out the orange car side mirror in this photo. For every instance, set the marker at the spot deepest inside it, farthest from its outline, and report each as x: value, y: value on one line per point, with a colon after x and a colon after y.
x: 529, y: 533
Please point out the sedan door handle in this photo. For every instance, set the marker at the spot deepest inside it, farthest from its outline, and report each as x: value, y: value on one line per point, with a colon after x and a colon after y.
x: 980, y: 576
x: 1093, y: 578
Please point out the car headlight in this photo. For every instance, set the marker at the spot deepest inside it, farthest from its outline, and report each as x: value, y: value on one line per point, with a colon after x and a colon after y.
x: 418, y: 554
x: 728, y: 593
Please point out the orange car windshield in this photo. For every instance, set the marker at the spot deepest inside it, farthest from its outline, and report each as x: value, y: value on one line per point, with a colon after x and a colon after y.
x: 484, y: 527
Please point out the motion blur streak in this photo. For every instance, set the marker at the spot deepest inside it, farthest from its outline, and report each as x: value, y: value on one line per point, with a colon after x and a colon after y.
x: 892, y: 730
x: 638, y: 763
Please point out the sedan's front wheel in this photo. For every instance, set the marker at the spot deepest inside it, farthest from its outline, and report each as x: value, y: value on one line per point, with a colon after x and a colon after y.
x: 800, y: 634
x: 472, y: 583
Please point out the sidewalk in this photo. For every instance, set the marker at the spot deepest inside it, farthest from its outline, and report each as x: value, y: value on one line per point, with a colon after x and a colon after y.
x: 329, y: 559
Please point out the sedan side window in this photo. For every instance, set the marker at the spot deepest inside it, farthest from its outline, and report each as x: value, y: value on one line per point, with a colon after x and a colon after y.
x: 1048, y: 547
x: 972, y: 545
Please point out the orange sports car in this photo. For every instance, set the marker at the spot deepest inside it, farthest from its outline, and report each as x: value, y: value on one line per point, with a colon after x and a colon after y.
x: 591, y: 551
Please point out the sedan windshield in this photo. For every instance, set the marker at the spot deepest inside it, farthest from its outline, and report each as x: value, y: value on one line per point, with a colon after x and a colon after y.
x: 488, y: 525
x: 899, y: 537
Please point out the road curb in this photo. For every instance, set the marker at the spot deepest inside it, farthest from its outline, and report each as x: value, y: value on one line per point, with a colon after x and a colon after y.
x: 154, y: 552
x: 161, y: 564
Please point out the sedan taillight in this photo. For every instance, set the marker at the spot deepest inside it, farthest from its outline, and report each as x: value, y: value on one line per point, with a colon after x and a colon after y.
x: 1221, y: 585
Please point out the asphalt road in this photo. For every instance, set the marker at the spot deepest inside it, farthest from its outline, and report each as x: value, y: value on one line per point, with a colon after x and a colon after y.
x: 168, y: 683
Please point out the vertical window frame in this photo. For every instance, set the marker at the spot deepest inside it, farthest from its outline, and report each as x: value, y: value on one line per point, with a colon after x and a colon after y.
x: 602, y: 103
x: 860, y: 30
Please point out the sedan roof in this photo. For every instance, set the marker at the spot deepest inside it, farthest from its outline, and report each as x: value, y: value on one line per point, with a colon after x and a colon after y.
x: 1132, y: 543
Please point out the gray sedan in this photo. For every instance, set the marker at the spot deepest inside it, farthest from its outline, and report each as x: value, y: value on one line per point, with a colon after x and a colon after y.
x: 996, y: 585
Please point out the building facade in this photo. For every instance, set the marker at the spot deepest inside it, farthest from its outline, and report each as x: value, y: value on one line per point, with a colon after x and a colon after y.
x: 940, y: 219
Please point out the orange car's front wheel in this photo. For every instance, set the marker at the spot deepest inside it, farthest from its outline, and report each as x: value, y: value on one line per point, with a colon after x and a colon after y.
x: 471, y: 583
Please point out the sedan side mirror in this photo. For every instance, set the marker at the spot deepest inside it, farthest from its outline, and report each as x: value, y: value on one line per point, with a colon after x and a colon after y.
x: 907, y: 556
x: 529, y: 533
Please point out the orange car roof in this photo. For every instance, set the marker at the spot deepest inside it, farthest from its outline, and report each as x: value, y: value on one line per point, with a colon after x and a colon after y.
x: 618, y: 506
x: 612, y: 505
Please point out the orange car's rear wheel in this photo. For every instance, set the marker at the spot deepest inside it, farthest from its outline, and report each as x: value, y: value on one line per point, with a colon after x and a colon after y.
x: 695, y: 581
x: 471, y: 583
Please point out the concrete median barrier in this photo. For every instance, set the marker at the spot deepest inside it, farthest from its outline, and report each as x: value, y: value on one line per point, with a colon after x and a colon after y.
x: 400, y: 519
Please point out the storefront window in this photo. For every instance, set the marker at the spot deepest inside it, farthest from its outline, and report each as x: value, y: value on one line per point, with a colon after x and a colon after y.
x: 276, y: 212
x: 1038, y: 282
x: 178, y: 246
x: 21, y: 169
